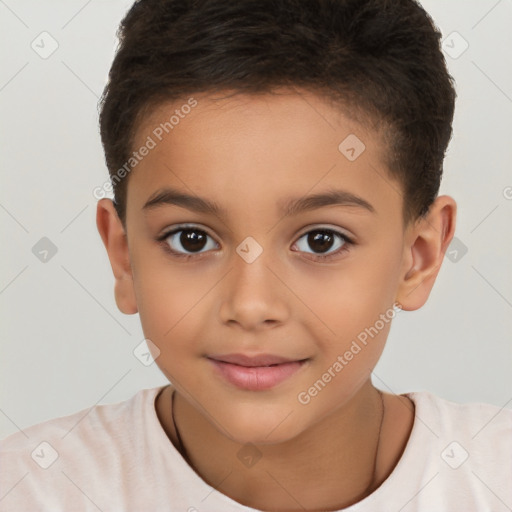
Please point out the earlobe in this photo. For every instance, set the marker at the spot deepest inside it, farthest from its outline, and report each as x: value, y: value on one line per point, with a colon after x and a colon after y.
x: 114, y: 238
x: 425, y: 247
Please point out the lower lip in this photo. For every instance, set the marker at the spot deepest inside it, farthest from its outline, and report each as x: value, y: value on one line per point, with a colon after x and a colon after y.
x: 257, y: 378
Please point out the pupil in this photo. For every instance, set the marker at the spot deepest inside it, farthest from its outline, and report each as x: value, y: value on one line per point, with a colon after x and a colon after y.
x: 192, y: 240
x: 320, y: 241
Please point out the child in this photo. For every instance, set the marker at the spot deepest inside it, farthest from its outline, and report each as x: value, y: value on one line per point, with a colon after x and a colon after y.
x: 257, y: 130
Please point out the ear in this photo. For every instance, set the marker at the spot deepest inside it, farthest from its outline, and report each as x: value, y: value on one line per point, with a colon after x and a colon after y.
x: 114, y: 238
x: 425, y: 245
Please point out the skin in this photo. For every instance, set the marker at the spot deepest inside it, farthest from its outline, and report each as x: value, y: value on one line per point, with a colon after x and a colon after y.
x: 249, y: 154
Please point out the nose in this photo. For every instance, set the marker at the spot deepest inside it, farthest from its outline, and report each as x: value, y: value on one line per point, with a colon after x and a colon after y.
x: 254, y: 297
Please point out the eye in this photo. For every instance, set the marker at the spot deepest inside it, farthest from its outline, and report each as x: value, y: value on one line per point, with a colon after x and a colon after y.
x: 323, y: 240
x: 185, y: 241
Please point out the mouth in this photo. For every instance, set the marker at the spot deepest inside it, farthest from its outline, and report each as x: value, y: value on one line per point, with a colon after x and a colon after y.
x: 255, y: 373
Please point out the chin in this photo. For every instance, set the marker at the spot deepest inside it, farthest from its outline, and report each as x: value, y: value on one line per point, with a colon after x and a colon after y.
x: 258, y: 436
x: 253, y: 427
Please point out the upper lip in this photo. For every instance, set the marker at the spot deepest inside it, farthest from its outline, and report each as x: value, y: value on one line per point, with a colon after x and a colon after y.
x: 259, y: 360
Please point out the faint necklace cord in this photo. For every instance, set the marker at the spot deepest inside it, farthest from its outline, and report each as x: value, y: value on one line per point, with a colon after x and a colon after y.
x: 365, y: 493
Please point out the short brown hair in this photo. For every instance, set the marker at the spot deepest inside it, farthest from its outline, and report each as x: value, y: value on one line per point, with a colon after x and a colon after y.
x: 381, y: 57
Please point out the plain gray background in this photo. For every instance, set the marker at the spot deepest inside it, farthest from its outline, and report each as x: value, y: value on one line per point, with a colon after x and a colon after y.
x: 66, y: 347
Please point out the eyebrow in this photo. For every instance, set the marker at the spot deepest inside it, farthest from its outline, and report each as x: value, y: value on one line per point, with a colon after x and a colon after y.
x: 294, y: 206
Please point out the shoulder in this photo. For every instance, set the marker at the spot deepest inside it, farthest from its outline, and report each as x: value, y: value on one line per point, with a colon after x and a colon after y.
x: 85, y: 425
x: 44, y: 460
x: 463, y: 451
x: 469, y: 420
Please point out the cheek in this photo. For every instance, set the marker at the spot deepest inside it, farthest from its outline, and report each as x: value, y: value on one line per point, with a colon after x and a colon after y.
x: 170, y: 300
x: 353, y: 306
x: 344, y: 299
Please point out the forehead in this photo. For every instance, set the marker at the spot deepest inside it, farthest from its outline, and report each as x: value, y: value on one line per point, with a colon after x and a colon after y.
x: 259, y: 150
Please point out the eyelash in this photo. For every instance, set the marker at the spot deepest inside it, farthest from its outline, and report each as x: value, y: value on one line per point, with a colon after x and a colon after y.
x: 315, y: 257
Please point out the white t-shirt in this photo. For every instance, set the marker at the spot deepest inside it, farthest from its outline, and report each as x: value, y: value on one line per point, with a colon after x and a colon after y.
x: 117, y: 457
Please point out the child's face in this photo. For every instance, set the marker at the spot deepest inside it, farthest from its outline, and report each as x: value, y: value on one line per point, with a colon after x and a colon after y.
x: 252, y: 156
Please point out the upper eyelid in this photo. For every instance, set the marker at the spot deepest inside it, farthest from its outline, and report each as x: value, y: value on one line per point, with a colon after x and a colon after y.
x: 307, y: 229
x: 181, y: 227
x: 338, y: 231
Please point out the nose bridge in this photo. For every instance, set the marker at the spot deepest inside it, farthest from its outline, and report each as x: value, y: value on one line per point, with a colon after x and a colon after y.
x: 253, y: 295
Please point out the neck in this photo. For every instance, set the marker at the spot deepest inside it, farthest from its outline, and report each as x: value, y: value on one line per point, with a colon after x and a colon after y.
x: 291, y: 475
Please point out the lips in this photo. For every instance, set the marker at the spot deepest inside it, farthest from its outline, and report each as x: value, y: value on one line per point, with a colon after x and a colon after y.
x: 255, y: 373
x: 251, y: 361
